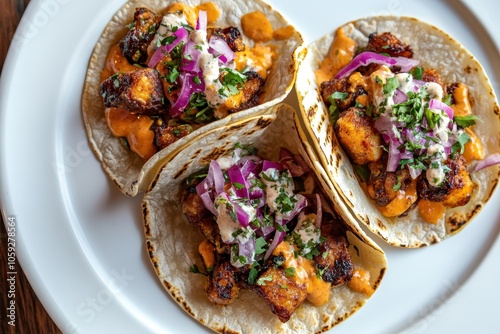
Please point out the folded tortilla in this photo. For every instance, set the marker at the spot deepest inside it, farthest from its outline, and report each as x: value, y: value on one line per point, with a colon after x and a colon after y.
x: 133, y: 174
x: 435, y: 49
x: 172, y: 243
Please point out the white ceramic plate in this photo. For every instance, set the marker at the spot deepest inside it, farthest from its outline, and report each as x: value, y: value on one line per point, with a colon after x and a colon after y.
x: 79, y: 240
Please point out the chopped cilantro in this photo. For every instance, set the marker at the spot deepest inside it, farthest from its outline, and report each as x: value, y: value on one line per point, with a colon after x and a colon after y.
x: 391, y: 85
x: 418, y: 72
x: 290, y: 272
x: 263, y: 279
x: 462, y: 139
x: 466, y: 121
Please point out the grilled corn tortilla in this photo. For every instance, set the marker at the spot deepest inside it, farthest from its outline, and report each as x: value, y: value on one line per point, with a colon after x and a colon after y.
x: 131, y: 173
x: 434, y: 49
x: 172, y: 243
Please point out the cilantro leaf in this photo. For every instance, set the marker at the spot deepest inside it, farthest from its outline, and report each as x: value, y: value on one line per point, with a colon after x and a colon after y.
x: 391, y: 85
x: 466, y: 121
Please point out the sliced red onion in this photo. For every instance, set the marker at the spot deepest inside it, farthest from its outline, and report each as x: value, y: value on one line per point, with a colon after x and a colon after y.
x: 400, y: 96
x: 182, y: 36
x: 414, y: 173
x: 490, y: 160
x: 208, y: 202
x: 394, y: 157
x: 319, y: 211
x: 366, y: 58
x: 219, y: 47
x: 190, y: 60
x: 279, y: 236
x: 248, y: 167
x: 271, y: 164
x: 189, y: 87
x: 242, y: 216
x: 201, y: 23
x: 295, y: 163
x: 299, y: 205
x: 214, y: 182
x: 438, y: 105
x: 246, y: 251
x: 235, y: 176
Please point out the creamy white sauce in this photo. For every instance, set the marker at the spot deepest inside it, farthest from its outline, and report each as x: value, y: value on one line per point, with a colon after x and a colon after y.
x: 434, y: 90
x: 405, y: 82
x: 227, y: 225
x: 283, y: 183
x: 168, y: 22
x: 307, y: 231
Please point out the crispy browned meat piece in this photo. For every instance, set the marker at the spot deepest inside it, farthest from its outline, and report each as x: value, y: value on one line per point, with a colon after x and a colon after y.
x: 231, y: 35
x: 359, y: 139
x: 384, y: 185
x: 139, y: 91
x: 343, y: 86
x: 134, y: 45
x: 431, y: 75
x: 390, y: 44
x: 337, y: 264
x: 456, y: 189
x: 199, y: 216
x: 283, y: 294
x: 246, y: 98
x: 222, y: 285
x: 167, y: 133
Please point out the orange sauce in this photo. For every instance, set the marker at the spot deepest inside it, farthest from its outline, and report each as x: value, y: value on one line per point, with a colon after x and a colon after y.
x: 356, y: 79
x: 431, y: 212
x: 115, y: 63
x: 261, y: 56
x: 402, y: 202
x: 360, y: 282
x: 283, y: 33
x: 341, y: 53
x: 207, y: 252
x: 462, y: 106
x: 473, y: 149
x: 213, y: 12
x: 189, y: 12
x: 364, y: 100
x: 256, y: 26
x: 135, y: 128
x: 318, y: 291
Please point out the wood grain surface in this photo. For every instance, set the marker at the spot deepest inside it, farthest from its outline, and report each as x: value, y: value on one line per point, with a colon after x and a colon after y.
x: 30, y: 315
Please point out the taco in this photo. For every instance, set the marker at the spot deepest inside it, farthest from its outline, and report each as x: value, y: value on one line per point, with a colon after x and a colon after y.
x: 253, y: 241
x: 405, y: 121
x: 163, y: 73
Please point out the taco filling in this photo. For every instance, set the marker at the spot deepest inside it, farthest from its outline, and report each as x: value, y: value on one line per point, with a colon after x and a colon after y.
x: 173, y: 73
x: 407, y: 133
x: 268, y: 229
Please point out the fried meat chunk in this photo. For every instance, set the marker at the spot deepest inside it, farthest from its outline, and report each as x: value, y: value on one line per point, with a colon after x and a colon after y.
x: 167, y: 133
x: 343, y: 85
x: 246, y: 98
x: 134, y: 45
x: 357, y: 136
x: 455, y: 190
x: 390, y: 44
x: 383, y: 184
x: 336, y: 265
x: 283, y: 294
x: 139, y: 91
x: 231, y: 35
x: 199, y: 216
x: 222, y: 286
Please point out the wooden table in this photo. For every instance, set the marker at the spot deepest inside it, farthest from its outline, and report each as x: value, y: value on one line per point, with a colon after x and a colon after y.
x: 30, y: 315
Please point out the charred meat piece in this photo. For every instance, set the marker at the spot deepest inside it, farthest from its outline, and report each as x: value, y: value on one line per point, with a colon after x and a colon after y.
x: 384, y: 185
x: 283, y: 294
x: 359, y: 139
x: 134, y: 45
x: 246, y: 98
x: 200, y: 217
x: 231, y: 35
x: 342, y: 86
x: 139, y: 91
x: 222, y: 286
x: 167, y: 133
x: 455, y: 190
x: 431, y: 75
x: 390, y: 44
x: 337, y: 264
